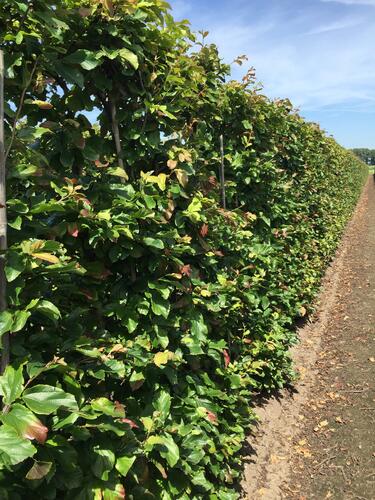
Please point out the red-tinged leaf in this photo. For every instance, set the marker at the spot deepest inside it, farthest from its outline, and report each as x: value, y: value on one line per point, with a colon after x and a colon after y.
x: 84, y: 12
x: 80, y: 143
x: 204, y: 230
x: 160, y: 469
x: 120, y: 490
x: 73, y: 181
x: 119, y: 407
x: 87, y: 294
x: 36, y: 430
x: 136, y: 384
x: 99, y: 164
x: 85, y: 213
x: 49, y: 125
x: 226, y: 358
x: 105, y: 273
x: 132, y: 424
x: 185, y: 270
x: 211, y: 416
x: 73, y: 230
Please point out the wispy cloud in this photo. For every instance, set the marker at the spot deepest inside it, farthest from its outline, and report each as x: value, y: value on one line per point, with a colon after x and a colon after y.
x: 334, y: 26
x: 314, y: 71
x: 310, y: 52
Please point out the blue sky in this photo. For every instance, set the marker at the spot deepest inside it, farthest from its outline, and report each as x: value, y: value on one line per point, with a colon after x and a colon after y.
x: 318, y: 53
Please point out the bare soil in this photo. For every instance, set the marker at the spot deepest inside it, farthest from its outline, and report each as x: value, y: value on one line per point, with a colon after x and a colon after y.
x: 318, y: 440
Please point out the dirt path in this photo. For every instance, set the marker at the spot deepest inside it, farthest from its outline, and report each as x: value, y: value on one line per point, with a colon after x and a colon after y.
x: 319, y: 441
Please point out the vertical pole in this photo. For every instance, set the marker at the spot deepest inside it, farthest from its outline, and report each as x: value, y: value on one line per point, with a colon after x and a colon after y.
x: 3, y: 222
x: 222, y: 173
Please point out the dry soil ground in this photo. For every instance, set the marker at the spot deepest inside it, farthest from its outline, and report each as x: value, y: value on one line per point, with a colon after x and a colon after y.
x: 318, y: 441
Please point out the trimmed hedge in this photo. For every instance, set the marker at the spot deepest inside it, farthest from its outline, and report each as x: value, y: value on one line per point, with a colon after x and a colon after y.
x: 144, y: 317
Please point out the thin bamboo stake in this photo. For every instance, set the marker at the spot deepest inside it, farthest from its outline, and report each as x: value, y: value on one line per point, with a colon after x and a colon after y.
x: 116, y: 136
x: 222, y: 174
x: 3, y: 222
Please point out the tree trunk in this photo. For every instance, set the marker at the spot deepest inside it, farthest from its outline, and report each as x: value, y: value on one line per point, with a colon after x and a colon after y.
x: 3, y: 221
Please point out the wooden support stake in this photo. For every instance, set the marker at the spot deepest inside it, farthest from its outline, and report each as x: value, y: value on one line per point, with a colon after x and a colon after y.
x: 3, y: 222
x: 222, y: 174
x: 116, y: 136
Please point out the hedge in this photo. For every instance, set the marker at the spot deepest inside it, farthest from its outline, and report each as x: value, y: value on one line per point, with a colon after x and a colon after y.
x: 144, y: 318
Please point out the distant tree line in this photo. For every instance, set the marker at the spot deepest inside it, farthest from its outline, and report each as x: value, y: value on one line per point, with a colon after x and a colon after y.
x: 366, y: 155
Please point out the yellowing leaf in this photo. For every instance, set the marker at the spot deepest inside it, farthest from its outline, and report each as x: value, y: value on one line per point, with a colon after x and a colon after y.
x: 104, y: 215
x: 48, y: 257
x: 38, y: 470
x: 160, y: 180
x: 162, y: 358
x: 172, y: 164
x: 182, y: 177
x: 43, y: 104
x: 108, y: 4
x: 118, y: 172
x: 148, y: 423
x: 185, y: 156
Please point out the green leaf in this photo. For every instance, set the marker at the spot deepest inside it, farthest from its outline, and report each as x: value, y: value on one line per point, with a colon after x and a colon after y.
x: 171, y: 454
x: 38, y: 470
x: 19, y: 320
x: 104, y: 405
x: 87, y: 59
x: 123, y: 464
x: 11, y: 384
x: 25, y: 423
x: 67, y: 158
x: 17, y: 206
x: 160, y: 306
x: 116, y: 492
x: 48, y: 309
x: 6, y: 322
x: 16, y: 224
x: 45, y: 399
x: 14, y: 266
x: 137, y: 379
x: 154, y: 242
x: 103, y: 464
x: 69, y: 73
x: 162, y: 404
x: 199, y: 328
x: 130, y: 57
x: 13, y: 449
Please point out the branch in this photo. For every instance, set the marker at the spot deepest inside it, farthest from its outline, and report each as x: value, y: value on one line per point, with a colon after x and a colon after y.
x: 19, y: 109
x: 116, y: 134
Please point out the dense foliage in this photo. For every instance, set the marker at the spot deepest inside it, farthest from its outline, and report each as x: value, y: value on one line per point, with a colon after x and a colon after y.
x: 144, y: 317
x: 366, y: 155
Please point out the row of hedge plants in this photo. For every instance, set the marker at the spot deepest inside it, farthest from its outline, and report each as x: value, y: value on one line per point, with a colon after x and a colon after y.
x: 143, y: 317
